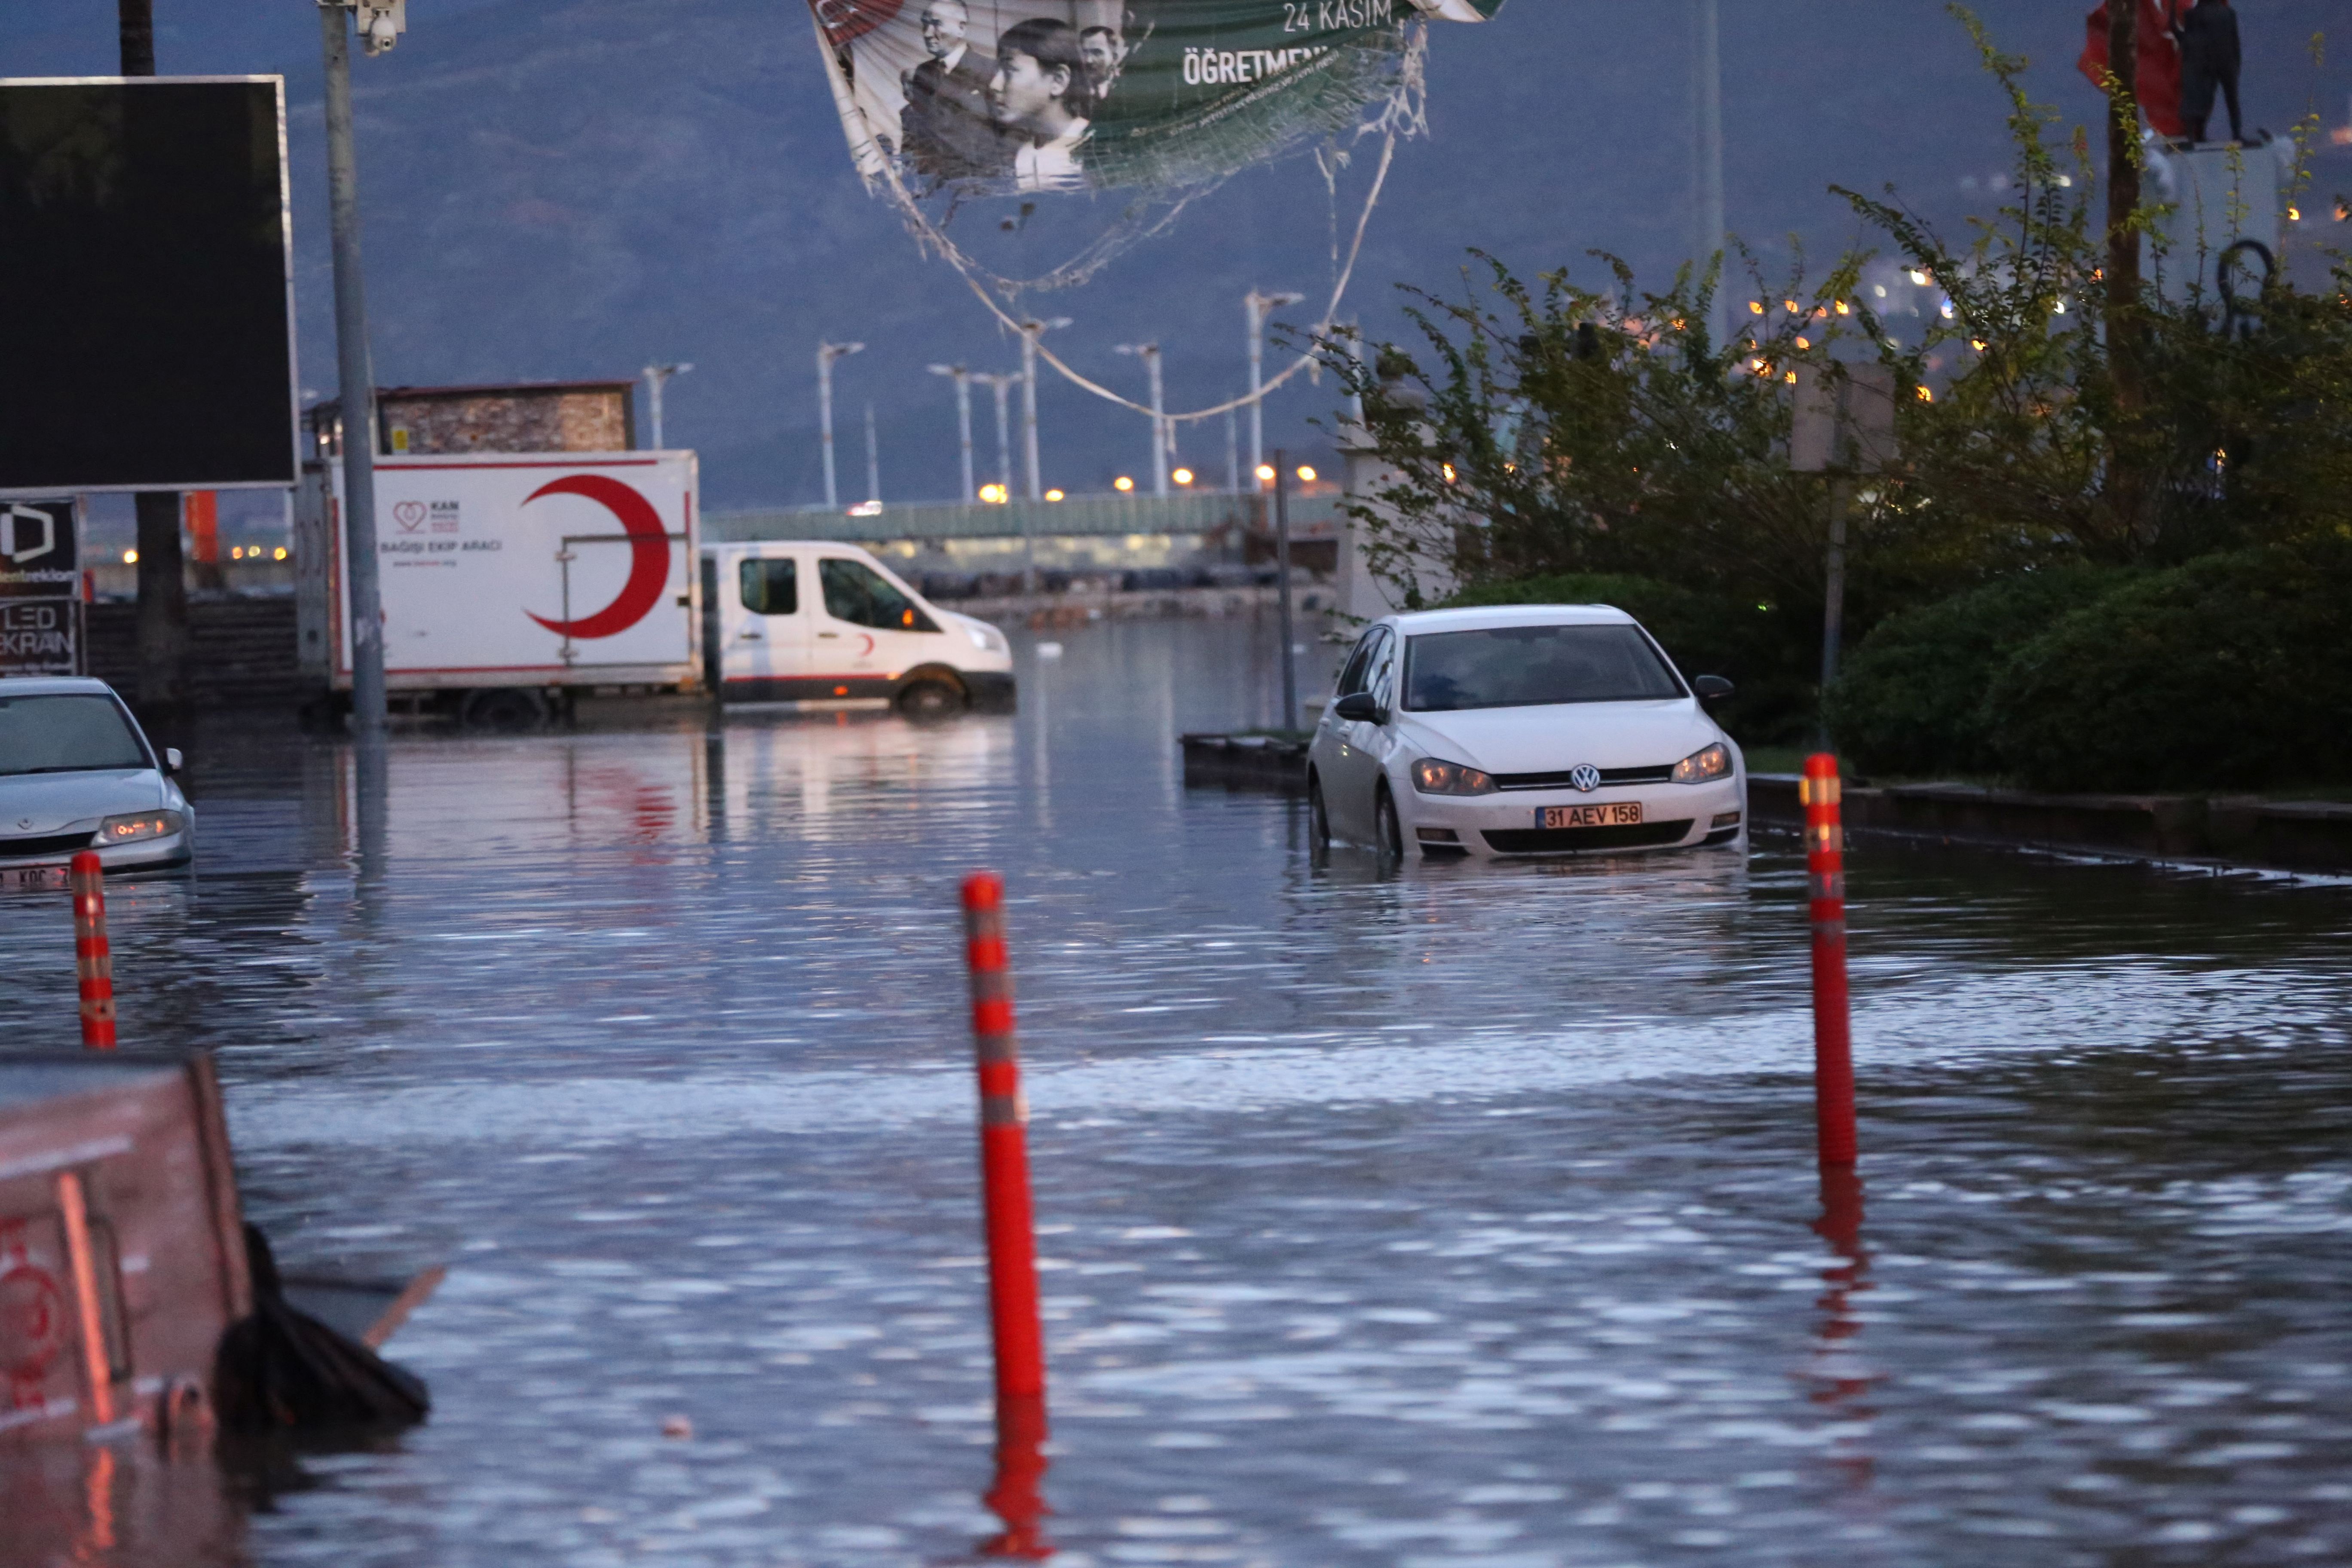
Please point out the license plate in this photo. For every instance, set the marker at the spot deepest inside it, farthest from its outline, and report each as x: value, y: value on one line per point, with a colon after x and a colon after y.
x: 32, y: 877
x: 1615, y: 813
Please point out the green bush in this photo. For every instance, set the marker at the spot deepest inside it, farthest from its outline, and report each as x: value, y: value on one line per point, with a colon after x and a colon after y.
x: 1704, y: 631
x: 2231, y: 671
x: 1911, y: 698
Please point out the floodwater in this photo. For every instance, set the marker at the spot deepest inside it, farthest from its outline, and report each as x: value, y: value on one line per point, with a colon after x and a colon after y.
x: 1458, y: 1217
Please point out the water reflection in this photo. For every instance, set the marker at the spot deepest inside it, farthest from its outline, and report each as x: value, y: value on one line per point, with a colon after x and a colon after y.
x: 1439, y: 1218
x: 1021, y: 1465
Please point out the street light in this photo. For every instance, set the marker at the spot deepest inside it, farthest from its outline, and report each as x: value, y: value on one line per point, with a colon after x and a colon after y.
x: 1001, y: 386
x: 656, y: 376
x: 1150, y: 354
x: 825, y: 355
x: 1255, y: 305
x: 963, y: 378
x: 380, y: 23
x: 1031, y: 331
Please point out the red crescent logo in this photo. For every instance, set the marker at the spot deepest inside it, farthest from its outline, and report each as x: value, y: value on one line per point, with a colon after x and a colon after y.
x: 843, y: 20
x: 868, y: 648
x: 648, y: 554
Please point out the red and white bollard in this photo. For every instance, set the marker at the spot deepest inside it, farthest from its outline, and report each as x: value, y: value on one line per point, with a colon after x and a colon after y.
x: 1832, y: 1023
x: 93, y: 960
x: 1011, y: 1228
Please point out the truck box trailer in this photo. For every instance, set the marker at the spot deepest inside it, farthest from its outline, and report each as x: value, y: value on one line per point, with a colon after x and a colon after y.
x: 509, y: 579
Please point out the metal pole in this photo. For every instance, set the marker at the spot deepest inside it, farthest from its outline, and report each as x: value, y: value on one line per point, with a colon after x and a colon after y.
x: 1282, y: 589
x: 824, y: 419
x: 162, y: 582
x: 657, y: 378
x: 1030, y: 332
x: 1233, y: 453
x: 963, y: 427
x: 873, y: 459
x: 1161, y: 440
x: 1001, y: 387
x: 1707, y: 154
x: 355, y: 368
x: 1254, y: 309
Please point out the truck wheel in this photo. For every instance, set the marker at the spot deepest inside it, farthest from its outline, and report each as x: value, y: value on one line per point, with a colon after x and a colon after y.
x: 509, y: 710
x: 927, y: 700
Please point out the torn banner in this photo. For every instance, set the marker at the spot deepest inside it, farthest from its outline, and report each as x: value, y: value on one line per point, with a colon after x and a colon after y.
x: 1021, y: 96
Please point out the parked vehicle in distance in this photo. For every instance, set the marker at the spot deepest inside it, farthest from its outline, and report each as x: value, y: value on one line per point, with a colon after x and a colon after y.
x: 76, y: 772
x: 510, y: 581
x: 808, y: 622
x: 1521, y: 730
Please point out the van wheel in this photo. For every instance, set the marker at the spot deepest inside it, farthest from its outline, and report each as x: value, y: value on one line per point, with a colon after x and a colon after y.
x: 509, y: 710
x: 1387, y: 831
x: 928, y: 700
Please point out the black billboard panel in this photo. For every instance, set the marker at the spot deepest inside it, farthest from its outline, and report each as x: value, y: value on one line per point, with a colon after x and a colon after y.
x: 146, y: 333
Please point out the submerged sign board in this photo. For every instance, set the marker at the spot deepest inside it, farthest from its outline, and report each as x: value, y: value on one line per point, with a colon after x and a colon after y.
x: 1021, y: 96
x: 41, y: 589
x: 146, y: 323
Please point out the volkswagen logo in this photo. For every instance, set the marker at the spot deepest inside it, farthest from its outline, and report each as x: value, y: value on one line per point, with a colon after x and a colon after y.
x: 1585, y: 777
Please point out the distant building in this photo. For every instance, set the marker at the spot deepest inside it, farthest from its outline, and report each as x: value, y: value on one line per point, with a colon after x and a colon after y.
x: 523, y: 416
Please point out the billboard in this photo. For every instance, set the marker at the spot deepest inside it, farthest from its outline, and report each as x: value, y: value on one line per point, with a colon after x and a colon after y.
x: 1025, y: 96
x: 148, y: 337
x: 41, y: 589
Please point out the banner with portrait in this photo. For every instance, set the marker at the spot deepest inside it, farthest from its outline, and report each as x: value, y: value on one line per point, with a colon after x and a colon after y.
x: 1017, y: 96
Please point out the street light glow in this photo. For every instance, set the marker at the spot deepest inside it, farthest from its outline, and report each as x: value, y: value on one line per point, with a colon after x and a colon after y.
x: 993, y: 495
x: 1306, y: 475
x: 130, y: 558
x: 1183, y: 476
x: 1122, y: 484
x: 1053, y: 495
x: 1266, y: 473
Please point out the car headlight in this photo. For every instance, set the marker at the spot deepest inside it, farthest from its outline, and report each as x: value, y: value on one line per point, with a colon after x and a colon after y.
x: 143, y: 825
x: 1710, y: 763
x: 1430, y: 776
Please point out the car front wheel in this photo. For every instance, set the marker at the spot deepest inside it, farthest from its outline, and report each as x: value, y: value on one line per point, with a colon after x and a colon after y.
x: 1388, y: 832
x: 1318, y: 820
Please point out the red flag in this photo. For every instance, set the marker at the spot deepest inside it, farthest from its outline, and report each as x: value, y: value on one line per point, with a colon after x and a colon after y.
x: 2158, y: 86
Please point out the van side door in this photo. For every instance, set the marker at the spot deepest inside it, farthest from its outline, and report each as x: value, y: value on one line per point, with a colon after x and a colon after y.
x: 763, y: 624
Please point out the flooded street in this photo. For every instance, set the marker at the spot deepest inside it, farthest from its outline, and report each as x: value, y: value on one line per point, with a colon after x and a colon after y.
x: 1461, y: 1216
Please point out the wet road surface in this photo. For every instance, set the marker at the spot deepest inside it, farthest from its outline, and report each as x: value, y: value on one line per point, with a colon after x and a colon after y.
x: 1458, y: 1217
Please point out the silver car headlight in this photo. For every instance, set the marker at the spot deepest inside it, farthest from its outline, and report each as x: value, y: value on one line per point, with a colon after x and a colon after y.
x: 141, y: 824
x: 1708, y: 762
x: 1430, y: 776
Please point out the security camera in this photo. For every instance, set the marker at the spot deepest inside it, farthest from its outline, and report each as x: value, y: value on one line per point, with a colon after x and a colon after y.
x: 379, y: 34
x: 380, y: 23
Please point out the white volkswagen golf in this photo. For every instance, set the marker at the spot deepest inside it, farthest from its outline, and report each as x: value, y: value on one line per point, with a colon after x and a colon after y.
x: 1521, y: 730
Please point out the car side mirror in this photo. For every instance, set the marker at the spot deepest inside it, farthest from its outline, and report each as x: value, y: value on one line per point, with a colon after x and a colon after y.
x: 1360, y: 707
x: 173, y: 761
x: 1711, y: 688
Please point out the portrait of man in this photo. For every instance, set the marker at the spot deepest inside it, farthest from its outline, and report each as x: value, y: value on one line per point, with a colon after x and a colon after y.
x: 1043, y: 102
x: 1104, y: 53
x: 949, y: 130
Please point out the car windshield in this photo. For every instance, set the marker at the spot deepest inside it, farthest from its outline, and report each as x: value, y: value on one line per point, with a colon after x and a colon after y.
x: 1525, y: 667
x: 65, y: 731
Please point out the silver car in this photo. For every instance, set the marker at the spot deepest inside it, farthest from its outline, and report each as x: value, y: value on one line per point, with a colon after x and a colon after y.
x: 76, y: 772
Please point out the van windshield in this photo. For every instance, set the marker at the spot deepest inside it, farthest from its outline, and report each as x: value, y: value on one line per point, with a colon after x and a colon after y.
x: 1527, y: 667
x: 65, y: 731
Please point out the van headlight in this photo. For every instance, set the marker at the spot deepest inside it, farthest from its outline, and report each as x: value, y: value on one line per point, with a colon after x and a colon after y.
x: 986, y: 639
x: 1709, y: 763
x: 143, y: 825
x: 1430, y: 776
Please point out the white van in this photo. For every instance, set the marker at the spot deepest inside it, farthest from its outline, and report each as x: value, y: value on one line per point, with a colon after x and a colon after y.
x: 804, y: 621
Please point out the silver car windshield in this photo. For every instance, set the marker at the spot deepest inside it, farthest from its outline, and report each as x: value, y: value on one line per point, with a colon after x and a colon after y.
x: 63, y: 732
x: 1526, y: 667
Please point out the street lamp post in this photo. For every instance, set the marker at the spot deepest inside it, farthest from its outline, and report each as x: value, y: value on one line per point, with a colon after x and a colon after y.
x: 825, y: 355
x: 1031, y: 331
x: 1002, y: 385
x: 873, y: 461
x: 1255, y: 305
x: 963, y: 378
x: 1282, y: 589
x: 655, y: 375
x: 380, y: 26
x: 1150, y: 354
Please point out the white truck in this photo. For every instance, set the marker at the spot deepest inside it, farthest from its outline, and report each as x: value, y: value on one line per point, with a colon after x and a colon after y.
x: 818, y: 624
x: 510, y: 581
